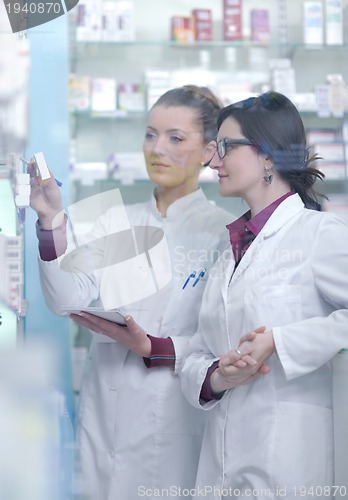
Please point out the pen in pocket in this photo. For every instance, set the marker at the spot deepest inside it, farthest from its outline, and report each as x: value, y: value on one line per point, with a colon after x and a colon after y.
x: 193, y: 275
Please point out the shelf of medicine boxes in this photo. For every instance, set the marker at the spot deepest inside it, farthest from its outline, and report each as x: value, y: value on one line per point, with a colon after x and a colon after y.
x: 132, y: 58
x: 137, y: 55
x: 128, y: 61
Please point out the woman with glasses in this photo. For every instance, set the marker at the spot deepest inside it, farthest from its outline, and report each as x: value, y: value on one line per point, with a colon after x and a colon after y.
x: 270, y: 432
x: 137, y: 434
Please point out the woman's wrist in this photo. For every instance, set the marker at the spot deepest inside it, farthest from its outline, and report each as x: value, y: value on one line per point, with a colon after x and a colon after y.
x: 51, y: 221
x: 217, y: 384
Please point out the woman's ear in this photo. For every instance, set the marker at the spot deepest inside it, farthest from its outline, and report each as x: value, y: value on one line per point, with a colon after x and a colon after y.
x: 209, y: 151
x: 268, y: 162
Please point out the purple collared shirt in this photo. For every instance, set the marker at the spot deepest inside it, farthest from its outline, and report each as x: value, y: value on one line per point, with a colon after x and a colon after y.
x: 244, y: 230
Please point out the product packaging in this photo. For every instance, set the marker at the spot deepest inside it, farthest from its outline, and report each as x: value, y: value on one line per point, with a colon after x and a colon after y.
x: 232, y: 20
x: 203, y: 25
x: 182, y: 29
x: 260, y: 25
x: 313, y: 33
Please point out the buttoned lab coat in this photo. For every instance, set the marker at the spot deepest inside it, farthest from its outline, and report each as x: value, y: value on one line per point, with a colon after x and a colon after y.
x: 135, y: 428
x: 276, y: 432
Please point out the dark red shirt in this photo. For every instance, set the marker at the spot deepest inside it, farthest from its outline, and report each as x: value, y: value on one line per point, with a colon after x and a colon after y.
x: 245, y: 229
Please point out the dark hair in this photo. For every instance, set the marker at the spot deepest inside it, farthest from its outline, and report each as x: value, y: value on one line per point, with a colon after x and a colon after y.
x: 201, y: 99
x: 272, y: 122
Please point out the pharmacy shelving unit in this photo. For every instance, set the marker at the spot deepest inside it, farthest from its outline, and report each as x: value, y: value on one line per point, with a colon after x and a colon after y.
x: 13, y: 305
x: 97, y: 136
x: 14, y: 186
x: 103, y: 124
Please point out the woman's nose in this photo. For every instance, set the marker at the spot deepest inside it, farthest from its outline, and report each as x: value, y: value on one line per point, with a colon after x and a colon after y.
x: 159, y: 147
x: 215, y: 162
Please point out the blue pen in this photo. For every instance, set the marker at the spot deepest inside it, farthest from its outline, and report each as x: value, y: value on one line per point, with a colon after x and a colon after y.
x: 59, y: 183
x: 201, y: 274
x: 192, y: 275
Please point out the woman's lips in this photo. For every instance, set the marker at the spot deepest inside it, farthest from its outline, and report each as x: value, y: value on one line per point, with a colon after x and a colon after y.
x: 160, y: 165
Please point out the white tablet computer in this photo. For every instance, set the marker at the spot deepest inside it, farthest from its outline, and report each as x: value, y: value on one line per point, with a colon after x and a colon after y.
x: 113, y: 315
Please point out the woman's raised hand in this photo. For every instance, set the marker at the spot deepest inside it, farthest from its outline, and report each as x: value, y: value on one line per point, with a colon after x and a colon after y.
x: 45, y: 199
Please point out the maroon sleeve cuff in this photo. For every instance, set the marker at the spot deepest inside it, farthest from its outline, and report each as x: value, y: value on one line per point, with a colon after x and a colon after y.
x: 52, y: 243
x: 206, y: 394
x: 162, y: 353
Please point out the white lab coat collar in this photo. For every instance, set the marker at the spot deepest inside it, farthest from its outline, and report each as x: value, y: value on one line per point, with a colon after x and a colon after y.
x: 288, y: 209
x: 180, y: 206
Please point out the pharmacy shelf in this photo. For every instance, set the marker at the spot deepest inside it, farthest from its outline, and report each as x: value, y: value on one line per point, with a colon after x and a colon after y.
x: 328, y: 121
x: 140, y: 191
x: 221, y: 54
x: 118, y: 114
x: 196, y: 45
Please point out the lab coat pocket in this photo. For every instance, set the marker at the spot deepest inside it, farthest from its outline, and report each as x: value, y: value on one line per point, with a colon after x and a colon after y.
x: 303, y: 448
x: 272, y: 305
x: 182, y: 311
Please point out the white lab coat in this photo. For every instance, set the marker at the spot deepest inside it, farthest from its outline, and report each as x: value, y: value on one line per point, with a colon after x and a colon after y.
x: 136, y: 431
x: 276, y: 433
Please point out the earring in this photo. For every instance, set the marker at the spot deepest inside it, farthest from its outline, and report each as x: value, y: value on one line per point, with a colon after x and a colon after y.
x: 202, y: 164
x: 268, y: 178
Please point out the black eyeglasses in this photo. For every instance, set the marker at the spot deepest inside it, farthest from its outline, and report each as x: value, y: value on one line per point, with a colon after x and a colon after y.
x: 224, y: 145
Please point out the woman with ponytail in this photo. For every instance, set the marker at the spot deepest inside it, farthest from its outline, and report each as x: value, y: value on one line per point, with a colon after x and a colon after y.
x: 271, y: 425
x: 137, y: 436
